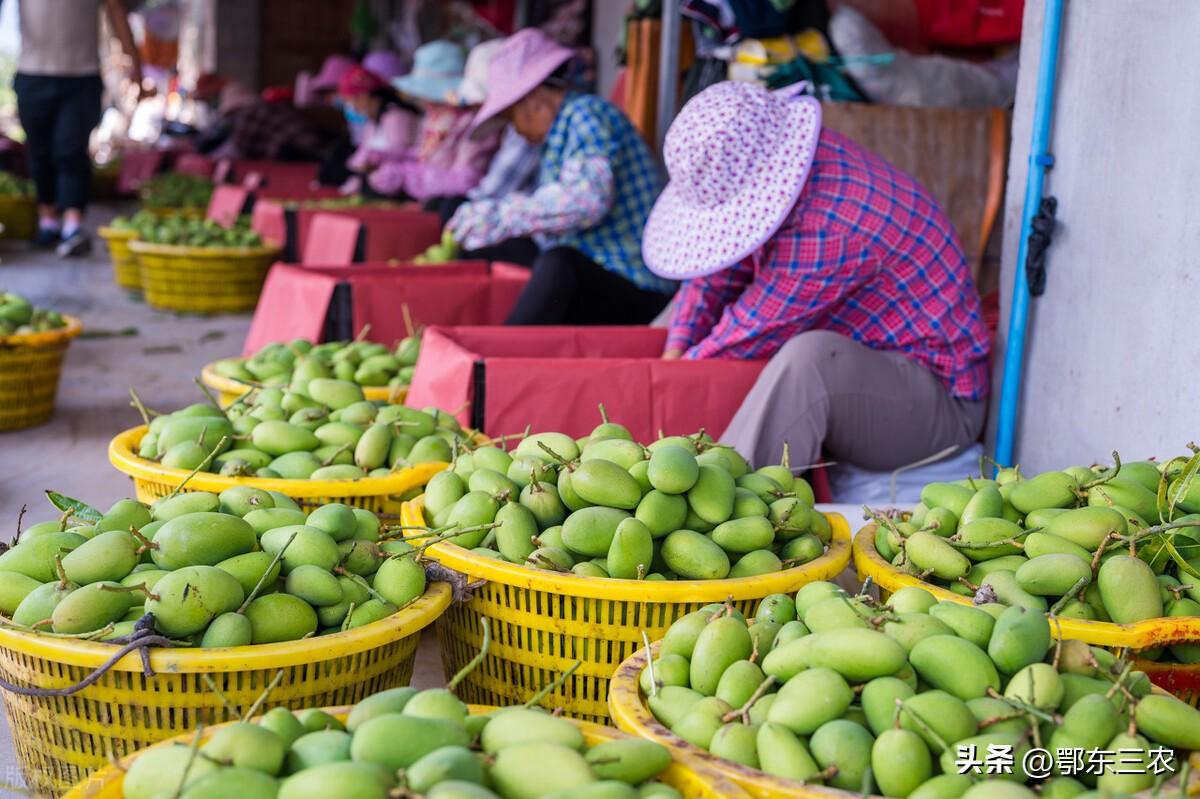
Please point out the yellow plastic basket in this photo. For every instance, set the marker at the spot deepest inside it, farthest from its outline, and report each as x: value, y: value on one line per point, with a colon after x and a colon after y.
x: 30, y: 366
x: 229, y: 390
x: 630, y: 714
x: 60, y: 741
x: 125, y: 265
x: 203, y: 280
x: 381, y: 495
x: 543, y: 622
x: 1181, y: 680
x: 18, y: 216
x: 694, y: 780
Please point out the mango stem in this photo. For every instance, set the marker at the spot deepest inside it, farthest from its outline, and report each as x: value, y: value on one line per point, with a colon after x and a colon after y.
x: 603, y: 414
x: 743, y: 712
x: 1080, y: 584
x: 203, y: 464
x: 1104, y: 478
x: 650, y: 664
x: 263, y: 579
x: 258, y: 703
x: 546, y: 690
x: 195, y: 751
x: 474, y: 662
x: 921, y: 724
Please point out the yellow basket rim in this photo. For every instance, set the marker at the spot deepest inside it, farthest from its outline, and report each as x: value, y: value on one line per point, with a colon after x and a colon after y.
x: 631, y: 715
x: 179, y: 250
x: 593, y: 733
x: 408, y: 620
x: 1139, y: 635
x: 122, y: 454
x: 226, y: 385
x: 18, y: 199
x: 108, y: 232
x: 462, y: 560
x: 46, y: 338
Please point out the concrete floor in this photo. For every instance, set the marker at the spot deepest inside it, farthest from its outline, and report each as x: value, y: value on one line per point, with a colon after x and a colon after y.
x: 159, y: 357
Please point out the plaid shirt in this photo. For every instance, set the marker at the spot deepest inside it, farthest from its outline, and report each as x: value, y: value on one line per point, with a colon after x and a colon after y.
x: 514, y: 168
x: 866, y: 252
x: 272, y: 130
x: 596, y: 185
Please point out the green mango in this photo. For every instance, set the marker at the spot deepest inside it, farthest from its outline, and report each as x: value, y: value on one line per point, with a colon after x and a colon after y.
x: 562, y: 445
x: 605, y: 483
x: 815, y: 592
x: 91, y: 607
x: 943, y: 786
x: 662, y: 513
x: 280, y: 617
x: 250, y: 568
x: 711, y: 497
x: 341, y: 778
x: 953, y: 498
x: 986, y: 531
x: 910, y: 628
x: 744, y: 535
x: 628, y: 760
x: 878, y: 699
x: 1168, y: 721
x: 779, y: 608
x: 837, y: 613
x: 400, y: 580
x: 228, y: 630
x: 985, y: 504
x: 1038, y: 685
x: 857, y: 654
x: 36, y: 558
x: 967, y: 622
x: 947, y: 716
x: 517, y: 725
x: 590, y: 531
x: 722, y: 642
x: 782, y: 754
x: 752, y: 564
x: 314, y: 585
x: 694, y: 556
x: 1038, y: 544
x: 1004, y: 584
x: 37, y: 607
x: 514, y: 536
x: 1053, y: 574
x: 1126, y: 494
x: 208, y: 431
x: 631, y: 551
x: 310, y: 546
x: 680, y: 638
x: 241, y: 782
x: 1046, y: 490
x: 672, y: 703
x: 900, y: 762
x: 1129, y: 590
x: 201, y: 539
x: 561, y: 771
x: 14, y: 587
x: 845, y: 746
x: 248, y: 746
x: 1087, y: 527
x: 810, y: 699
x: 390, y: 701
x: 930, y: 553
x: 110, y: 556
x: 174, y: 765
x: 955, y: 665
x: 123, y: 514
x: 188, y: 599
x: 1021, y: 637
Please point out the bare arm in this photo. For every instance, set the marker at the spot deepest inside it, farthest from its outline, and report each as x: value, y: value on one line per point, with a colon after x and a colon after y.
x: 118, y: 17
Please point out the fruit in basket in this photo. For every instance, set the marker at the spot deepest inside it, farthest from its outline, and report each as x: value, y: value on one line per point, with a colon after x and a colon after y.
x: 18, y: 316
x: 243, y: 567
x: 182, y: 231
x: 853, y: 707
x: 298, y: 363
x: 444, y: 251
x: 605, y: 506
x: 347, y: 440
x: 174, y: 190
x: 1098, y: 544
x: 13, y: 186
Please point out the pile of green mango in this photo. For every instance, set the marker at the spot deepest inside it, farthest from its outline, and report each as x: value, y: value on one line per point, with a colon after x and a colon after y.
x: 444, y: 251
x: 404, y: 742
x: 239, y: 568
x: 296, y: 362
x: 18, y: 316
x: 324, y: 430
x: 142, y: 223
x: 176, y: 190
x: 1049, y: 542
x: 183, y: 231
x: 832, y: 689
x: 606, y: 506
x: 13, y: 186
x: 337, y: 203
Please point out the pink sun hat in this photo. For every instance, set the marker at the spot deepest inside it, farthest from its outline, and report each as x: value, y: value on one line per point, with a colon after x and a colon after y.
x: 332, y: 70
x: 385, y: 64
x: 737, y: 156
x: 522, y: 64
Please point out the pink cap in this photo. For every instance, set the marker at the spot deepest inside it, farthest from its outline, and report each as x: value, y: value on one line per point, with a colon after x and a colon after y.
x: 332, y: 70
x: 522, y: 64
x: 385, y: 64
x: 738, y: 157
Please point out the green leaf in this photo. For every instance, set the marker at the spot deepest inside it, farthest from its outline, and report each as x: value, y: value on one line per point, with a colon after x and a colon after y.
x: 1185, y: 483
x: 80, y: 510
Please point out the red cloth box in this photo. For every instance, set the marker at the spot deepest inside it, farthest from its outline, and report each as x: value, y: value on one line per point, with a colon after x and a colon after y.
x: 388, y: 233
x: 553, y: 378
x: 299, y: 301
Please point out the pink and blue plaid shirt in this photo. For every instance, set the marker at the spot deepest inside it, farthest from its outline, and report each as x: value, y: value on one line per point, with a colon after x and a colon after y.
x: 867, y: 253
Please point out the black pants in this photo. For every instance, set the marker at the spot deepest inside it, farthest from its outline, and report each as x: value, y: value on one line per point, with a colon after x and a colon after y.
x: 568, y: 288
x: 444, y: 205
x: 58, y: 114
x: 522, y: 252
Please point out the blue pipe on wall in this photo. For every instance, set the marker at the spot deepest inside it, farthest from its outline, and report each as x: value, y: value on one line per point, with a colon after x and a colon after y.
x: 1040, y: 162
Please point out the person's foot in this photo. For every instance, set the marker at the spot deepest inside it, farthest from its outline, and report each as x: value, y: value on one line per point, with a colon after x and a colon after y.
x: 75, y: 244
x: 47, y: 238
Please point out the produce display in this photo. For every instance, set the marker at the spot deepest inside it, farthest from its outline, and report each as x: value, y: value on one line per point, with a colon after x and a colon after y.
x: 404, y: 742
x: 606, y: 506
x: 140, y: 223
x: 243, y: 567
x: 340, y: 203
x: 18, y: 316
x: 175, y: 190
x: 299, y: 361
x: 440, y: 253
x: 1120, y: 545
x: 898, y: 699
x: 321, y: 429
x: 189, y: 232
x: 13, y: 186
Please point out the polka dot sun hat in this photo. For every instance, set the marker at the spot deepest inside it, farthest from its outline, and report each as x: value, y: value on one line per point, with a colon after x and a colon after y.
x: 737, y: 156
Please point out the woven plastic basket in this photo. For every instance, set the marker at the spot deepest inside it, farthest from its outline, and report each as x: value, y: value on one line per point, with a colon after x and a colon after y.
x: 203, y: 280
x: 125, y: 265
x: 59, y: 741
x: 1181, y: 680
x: 631, y: 715
x: 694, y: 780
x: 30, y: 366
x: 543, y: 622
x: 229, y: 390
x: 382, y: 495
x: 18, y: 216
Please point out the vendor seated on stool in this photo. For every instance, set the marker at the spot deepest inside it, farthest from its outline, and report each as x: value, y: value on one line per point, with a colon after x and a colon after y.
x: 800, y: 246
x: 596, y: 183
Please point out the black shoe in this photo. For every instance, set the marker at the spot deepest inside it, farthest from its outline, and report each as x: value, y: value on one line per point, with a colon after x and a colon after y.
x: 75, y: 245
x: 47, y: 238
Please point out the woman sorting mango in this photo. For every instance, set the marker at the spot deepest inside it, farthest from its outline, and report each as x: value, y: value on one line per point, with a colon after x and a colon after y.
x: 597, y: 182
x: 799, y: 246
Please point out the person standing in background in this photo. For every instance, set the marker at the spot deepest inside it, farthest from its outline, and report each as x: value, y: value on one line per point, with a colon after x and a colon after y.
x: 58, y: 90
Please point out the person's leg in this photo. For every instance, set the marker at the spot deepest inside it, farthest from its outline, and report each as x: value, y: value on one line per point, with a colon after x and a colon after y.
x: 36, y: 107
x: 79, y: 113
x: 520, y: 251
x: 567, y: 287
x: 874, y: 409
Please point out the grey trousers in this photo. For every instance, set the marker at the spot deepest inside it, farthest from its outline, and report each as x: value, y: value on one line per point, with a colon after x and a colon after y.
x: 876, y: 410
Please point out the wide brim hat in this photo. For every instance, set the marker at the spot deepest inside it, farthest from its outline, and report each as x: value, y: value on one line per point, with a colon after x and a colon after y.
x: 523, y: 63
x: 473, y: 88
x: 332, y: 70
x: 738, y: 157
x: 385, y: 63
x: 437, y: 71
